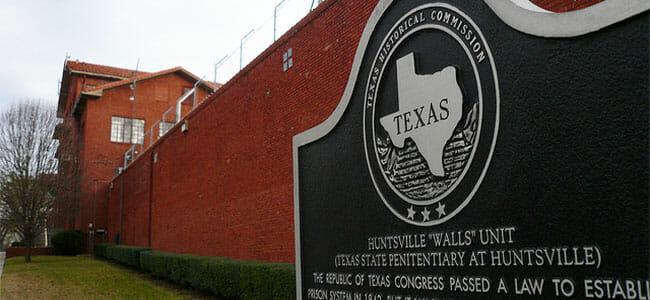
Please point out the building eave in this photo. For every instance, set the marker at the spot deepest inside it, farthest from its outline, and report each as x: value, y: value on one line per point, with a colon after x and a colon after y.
x: 179, y: 70
x: 95, y: 93
x: 97, y: 74
x: 80, y: 102
x: 63, y: 94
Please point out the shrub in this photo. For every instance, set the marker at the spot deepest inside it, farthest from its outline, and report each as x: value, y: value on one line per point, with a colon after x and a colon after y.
x: 100, y: 250
x: 155, y: 263
x: 146, y: 264
x: 184, y: 269
x: 128, y: 255
x: 18, y: 244
x: 195, y: 274
x: 68, y: 242
x: 268, y: 281
x: 224, y: 277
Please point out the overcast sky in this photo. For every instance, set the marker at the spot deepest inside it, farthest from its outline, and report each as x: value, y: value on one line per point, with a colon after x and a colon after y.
x: 194, y: 34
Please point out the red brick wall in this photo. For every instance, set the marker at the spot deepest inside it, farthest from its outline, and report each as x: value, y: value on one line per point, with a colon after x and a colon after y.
x: 99, y: 156
x: 225, y: 188
x: 20, y: 251
x: 135, y: 210
x: 133, y: 187
x: 115, y: 192
x: 68, y: 147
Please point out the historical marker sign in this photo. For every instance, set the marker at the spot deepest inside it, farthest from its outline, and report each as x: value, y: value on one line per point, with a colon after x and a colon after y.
x: 428, y: 156
x: 468, y: 159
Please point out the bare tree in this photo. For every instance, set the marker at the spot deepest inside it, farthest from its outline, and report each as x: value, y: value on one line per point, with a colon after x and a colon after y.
x: 27, y: 169
x: 4, y: 231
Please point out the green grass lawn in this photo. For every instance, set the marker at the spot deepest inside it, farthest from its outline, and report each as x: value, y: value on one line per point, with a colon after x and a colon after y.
x: 64, y: 277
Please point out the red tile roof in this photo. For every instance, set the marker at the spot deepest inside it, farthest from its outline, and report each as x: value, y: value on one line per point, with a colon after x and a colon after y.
x: 101, y: 69
x: 146, y: 76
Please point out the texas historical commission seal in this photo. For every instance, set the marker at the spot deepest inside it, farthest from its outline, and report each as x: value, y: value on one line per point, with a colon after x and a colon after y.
x: 431, y: 114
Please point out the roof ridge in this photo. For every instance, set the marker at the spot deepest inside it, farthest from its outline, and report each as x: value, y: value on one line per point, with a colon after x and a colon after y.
x: 101, y: 69
x: 145, y: 77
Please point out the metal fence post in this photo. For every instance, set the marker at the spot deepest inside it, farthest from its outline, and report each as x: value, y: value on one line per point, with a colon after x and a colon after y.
x: 275, y: 17
x: 241, y: 48
x: 216, y: 66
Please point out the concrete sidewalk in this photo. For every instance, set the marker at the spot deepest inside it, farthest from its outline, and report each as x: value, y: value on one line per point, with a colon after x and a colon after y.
x: 3, y: 255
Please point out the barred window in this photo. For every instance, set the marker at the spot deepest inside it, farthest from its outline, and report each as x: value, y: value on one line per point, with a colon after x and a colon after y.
x: 127, y: 130
x: 287, y: 60
x: 164, y: 127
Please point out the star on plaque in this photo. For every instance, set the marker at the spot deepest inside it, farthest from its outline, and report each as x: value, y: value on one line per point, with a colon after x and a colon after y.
x: 425, y: 214
x: 441, y: 210
x: 411, y: 212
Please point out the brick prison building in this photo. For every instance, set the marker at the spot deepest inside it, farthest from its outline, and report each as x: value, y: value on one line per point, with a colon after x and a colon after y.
x: 220, y: 181
x: 106, y: 110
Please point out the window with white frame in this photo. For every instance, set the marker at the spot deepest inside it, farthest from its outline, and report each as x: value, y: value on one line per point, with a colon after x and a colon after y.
x: 287, y: 60
x: 127, y: 130
x: 164, y: 127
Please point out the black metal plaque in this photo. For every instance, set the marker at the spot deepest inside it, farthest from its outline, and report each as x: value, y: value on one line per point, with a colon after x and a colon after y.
x: 471, y: 160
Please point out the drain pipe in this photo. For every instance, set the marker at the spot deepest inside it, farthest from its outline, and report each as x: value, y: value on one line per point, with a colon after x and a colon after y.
x: 119, y: 234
